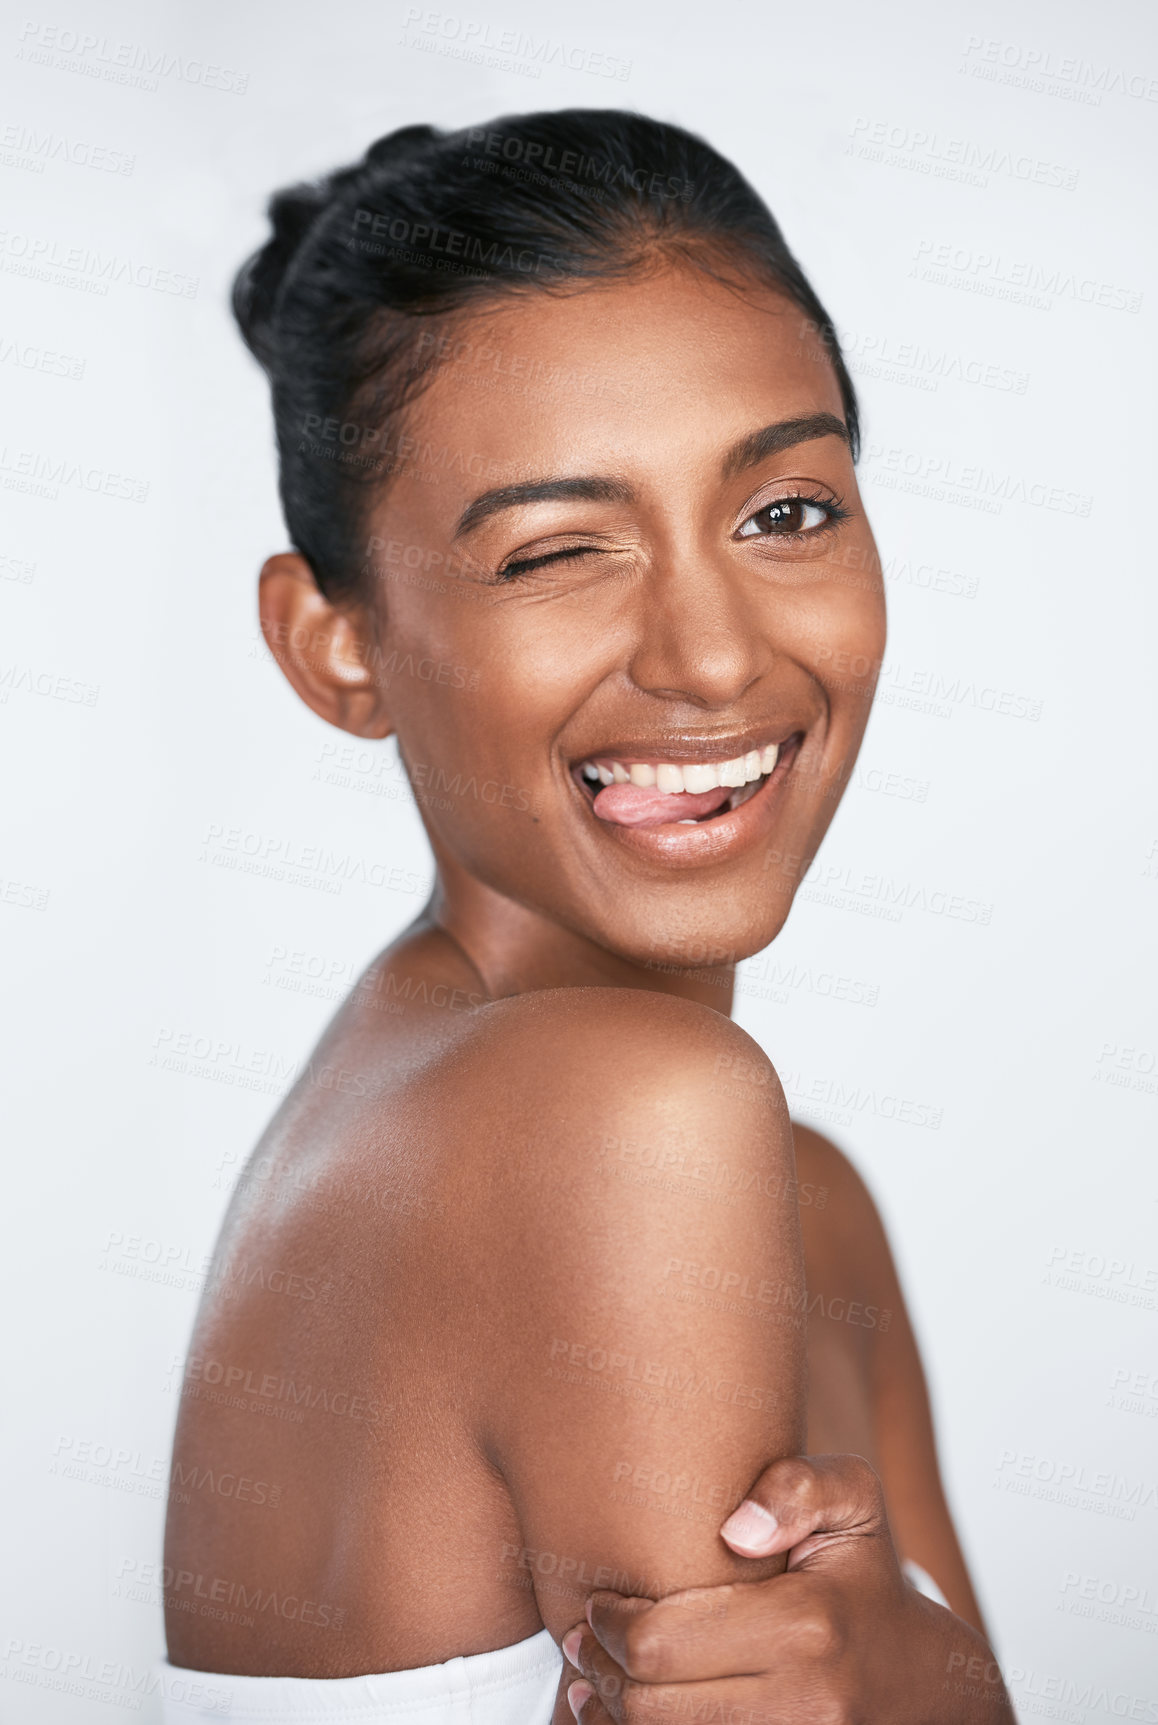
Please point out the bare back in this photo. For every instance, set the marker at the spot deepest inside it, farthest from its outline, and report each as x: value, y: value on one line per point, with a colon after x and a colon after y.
x: 325, y: 1483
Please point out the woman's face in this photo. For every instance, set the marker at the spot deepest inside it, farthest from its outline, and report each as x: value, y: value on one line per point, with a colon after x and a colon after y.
x: 625, y: 534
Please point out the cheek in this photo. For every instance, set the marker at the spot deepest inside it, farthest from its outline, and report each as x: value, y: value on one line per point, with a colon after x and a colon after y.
x: 549, y: 657
x: 429, y: 661
x: 537, y: 663
x: 479, y: 702
x: 841, y: 639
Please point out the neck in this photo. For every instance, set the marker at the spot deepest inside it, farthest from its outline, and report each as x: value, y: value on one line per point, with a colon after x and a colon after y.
x: 514, y: 950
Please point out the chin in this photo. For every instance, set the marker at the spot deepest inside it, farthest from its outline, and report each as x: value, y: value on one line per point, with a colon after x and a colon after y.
x: 703, y: 938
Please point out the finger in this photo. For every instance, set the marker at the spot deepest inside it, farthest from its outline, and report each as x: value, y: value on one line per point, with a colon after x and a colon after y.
x: 737, y: 1698
x: 694, y: 1636
x: 799, y: 1496
x: 665, y: 1692
x: 581, y: 1698
x: 585, y: 1704
x: 601, y: 1672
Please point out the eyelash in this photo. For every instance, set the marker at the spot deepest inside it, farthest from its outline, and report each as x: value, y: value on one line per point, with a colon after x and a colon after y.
x: 834, y: 509
x: 512, y: 571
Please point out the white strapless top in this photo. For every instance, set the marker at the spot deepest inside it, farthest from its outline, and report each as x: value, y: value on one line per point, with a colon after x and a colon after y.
x: 511, y: 1686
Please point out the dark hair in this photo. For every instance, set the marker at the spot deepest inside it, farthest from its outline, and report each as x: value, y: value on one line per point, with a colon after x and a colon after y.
x: 430, y: 222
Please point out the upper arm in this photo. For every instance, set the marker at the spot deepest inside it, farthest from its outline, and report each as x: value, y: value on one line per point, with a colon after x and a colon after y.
x: 644, y: 1366
x: 902, y: 1417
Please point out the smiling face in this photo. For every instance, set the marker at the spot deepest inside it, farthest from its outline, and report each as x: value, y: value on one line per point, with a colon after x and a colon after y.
x: 664, y: 606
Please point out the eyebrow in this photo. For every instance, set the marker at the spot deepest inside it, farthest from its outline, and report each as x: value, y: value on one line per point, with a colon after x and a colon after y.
x: 784, y: 434
x: 585, y: 490
x: 756, y: 447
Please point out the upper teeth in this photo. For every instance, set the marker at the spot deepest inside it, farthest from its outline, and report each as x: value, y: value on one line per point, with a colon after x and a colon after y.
x: 697, y: 776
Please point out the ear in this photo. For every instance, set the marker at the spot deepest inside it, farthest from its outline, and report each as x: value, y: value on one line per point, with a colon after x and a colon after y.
x: 327, y: 652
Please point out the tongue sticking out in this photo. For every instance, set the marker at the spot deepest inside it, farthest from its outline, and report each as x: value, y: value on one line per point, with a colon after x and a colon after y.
x: 644, y: 806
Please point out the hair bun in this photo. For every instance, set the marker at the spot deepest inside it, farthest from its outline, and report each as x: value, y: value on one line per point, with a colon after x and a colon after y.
x: 292, y: 213
x: 398, y: 146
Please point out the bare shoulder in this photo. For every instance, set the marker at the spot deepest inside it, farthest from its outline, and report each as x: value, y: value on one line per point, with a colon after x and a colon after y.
x: 845, y: 1239
x: 830, y: 1182
x: 826, y: 1161
x: 563, y: 1073
x: 591, y: 1123
x: 848, y: 1232
x: 583, y: 1018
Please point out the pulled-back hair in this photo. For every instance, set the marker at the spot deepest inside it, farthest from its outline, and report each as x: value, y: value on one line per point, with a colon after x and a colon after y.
x: 431, y: 223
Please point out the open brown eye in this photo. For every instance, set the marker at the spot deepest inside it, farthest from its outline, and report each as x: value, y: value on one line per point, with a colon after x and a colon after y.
x: 786, y: 515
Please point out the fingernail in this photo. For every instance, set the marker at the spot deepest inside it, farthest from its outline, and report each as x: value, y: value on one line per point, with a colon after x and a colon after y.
x: 751, y: 1529
x: 571, y: 1644
x: 578, y: 1696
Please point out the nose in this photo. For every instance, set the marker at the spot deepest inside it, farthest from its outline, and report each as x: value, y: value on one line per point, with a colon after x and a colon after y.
x: 700, y: 633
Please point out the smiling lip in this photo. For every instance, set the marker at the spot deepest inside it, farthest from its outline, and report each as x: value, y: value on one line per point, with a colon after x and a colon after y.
x: 703, y: 831
x: 689, y: 750
x: 676, y: 765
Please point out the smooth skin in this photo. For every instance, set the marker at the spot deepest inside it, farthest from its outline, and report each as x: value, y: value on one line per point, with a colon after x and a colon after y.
x: 454, y: 1319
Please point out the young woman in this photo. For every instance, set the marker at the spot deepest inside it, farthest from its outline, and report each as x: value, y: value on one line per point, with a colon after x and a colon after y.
x: 510, y: 1309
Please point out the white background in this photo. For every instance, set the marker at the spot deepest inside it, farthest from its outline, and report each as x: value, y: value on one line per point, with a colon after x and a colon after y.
x: 1005, y: 994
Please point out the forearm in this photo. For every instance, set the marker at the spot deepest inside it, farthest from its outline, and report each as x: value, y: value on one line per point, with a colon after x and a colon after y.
x: 957, y: 1680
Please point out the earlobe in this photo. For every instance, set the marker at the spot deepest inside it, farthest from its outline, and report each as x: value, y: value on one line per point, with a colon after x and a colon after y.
x: 326, y: 651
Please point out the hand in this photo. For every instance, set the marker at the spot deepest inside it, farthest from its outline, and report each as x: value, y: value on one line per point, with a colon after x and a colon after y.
x: 840, y: 1638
